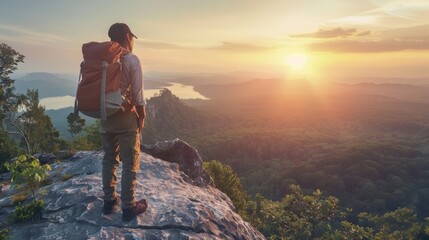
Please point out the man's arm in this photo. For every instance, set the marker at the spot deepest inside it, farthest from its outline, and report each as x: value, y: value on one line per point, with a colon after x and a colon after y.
x: 137, y: 90
x: 141, y: 112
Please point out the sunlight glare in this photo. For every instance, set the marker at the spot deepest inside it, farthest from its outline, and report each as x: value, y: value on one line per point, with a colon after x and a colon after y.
x: 297, y: 61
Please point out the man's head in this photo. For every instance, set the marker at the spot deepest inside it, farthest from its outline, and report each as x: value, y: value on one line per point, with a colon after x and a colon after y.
x: 121, y: 33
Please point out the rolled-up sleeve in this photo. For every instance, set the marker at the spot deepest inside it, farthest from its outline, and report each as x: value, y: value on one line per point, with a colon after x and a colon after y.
x: 136, y: 81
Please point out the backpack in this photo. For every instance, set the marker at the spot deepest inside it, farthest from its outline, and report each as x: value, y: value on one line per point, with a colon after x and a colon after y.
x: 98, y: 92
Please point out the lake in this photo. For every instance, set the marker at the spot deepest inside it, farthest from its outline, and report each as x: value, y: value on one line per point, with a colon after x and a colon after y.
x: 180, y: 90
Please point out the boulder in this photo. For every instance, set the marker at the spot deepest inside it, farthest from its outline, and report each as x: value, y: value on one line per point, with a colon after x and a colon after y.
x: 64, y: 154
x: 180, y: 152
x: 45, y: 158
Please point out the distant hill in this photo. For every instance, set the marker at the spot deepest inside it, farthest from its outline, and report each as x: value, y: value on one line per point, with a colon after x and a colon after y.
x: 406, y: 92
x: 252, y: 88
x: 273, y: 88
x: 384, y: 80
x: 49, y: 85
x: 168, y: 118
x: 57, y: 85
x: 271, y: 96
x: 198, y: 79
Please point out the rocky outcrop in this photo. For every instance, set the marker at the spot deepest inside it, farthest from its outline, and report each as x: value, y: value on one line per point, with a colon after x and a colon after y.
x: 180, y: 207
x: 180, y: 152
x: 45, y: 158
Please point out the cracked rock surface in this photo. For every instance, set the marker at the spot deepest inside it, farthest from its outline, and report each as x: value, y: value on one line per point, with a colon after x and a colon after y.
x: 177, y: 209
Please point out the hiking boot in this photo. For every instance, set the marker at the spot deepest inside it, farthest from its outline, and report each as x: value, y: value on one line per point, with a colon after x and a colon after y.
x: 109, y: 205
x: 129, y: 214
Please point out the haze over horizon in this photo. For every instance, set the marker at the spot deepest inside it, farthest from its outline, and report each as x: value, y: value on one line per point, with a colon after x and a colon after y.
x: 330, y: 40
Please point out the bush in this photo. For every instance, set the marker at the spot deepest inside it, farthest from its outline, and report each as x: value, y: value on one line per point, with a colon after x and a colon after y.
x: 228, y: 182
x: 427, y: 226
x: 4, y: 234
x: 26, y: 172
x: 31, y: 211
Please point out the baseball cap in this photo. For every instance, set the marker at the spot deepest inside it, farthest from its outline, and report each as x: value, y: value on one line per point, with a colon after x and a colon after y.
x: 118, y: 31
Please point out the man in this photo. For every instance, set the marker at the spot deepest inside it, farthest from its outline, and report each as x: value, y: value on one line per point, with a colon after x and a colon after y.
x: 120, y: 133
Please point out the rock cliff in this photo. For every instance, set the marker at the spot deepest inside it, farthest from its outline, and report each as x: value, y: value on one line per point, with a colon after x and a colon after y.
x: 183, y: 204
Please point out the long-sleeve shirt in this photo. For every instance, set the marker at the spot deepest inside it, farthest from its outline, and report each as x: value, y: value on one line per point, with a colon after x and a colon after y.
x: 132, y: 79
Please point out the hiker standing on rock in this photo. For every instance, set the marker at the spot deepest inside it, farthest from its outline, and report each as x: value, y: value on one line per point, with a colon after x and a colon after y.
x: 120, y: 132
x: 111, y: 88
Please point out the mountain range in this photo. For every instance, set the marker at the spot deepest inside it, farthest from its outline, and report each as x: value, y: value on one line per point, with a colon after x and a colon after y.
x: 49, y: 85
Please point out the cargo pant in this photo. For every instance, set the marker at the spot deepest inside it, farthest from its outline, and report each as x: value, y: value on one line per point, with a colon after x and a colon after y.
x: 121, y: 141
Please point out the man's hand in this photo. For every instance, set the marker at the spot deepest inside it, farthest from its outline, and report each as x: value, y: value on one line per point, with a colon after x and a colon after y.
x: 141, y: 112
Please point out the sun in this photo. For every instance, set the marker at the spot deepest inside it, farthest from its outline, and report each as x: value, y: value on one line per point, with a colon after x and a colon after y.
x: 297, y: 61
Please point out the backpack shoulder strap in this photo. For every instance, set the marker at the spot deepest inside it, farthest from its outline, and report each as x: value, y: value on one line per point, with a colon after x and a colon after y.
x: 76, y: 112
x: 103, y: 113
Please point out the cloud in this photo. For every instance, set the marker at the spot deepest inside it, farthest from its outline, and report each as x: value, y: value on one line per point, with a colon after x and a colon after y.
x: 363, y: 33
x: 384, y: 45
x: 333, y: 33
x: 239, y: 47
x: 388, y: 14
x: 30, y: 36
x: 223, y: 46
x: 160, y: 45
x: 407, y: 9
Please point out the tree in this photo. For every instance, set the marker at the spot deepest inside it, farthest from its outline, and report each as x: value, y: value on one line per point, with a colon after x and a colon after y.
x: 228, y: 182
x: 90, y: 140
x: 314, y: 216
x: 33, y: 125
x: 76, y: 124
x: 296, y: 216
x: 93, y: 135
x: 8, y: 149
x: 9, y: 59
x: 313, y: 211
x: 399, y: 224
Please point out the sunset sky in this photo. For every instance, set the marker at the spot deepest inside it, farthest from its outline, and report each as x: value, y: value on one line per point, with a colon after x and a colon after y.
x: 317, y: 39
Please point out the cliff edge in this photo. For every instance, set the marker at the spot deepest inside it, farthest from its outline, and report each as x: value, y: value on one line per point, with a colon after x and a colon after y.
x: 182, y: 202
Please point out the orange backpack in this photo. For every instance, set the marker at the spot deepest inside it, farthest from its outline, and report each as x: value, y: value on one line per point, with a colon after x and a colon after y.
x: 98, y: 92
